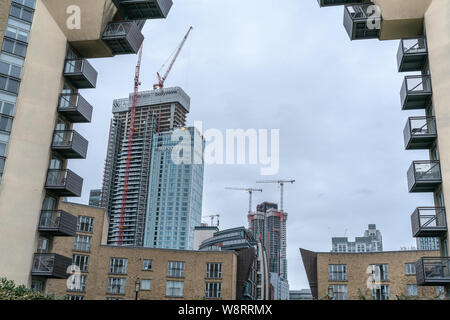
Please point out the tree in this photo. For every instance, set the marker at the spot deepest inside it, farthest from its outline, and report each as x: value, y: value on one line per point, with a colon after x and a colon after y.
x: 10, y: 291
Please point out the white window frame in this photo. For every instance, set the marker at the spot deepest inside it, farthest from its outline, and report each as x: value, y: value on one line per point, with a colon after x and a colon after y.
x: 174, y: 288
x: 118, y: 265
x: 337, y: 272
x: 116, y: 285
x: 146, y: 287
x: 175, y: 269
x: 147, y: 265
x: 213, y: 290
x: 214, y: 270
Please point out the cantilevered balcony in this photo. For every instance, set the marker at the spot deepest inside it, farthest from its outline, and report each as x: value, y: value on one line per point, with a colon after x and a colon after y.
x: 361, y: 21
x: 57, y: 223
x: 424, y: 176
x: 433, y: 271
x: 420, y: 133
x: 80, y: 73
x: 70, y: 144
x: 416, y: 92
x: 64, y: 183
x: 123, y: 37
x: 412, y: 54
x: 330, y: 3
x: 429, y: 222
x: 50, y: 265
x: 75, y: 108
x: 144, y: 9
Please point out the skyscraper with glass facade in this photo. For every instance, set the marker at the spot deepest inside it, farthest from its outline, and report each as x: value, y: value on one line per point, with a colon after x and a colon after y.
x: 175, y: 189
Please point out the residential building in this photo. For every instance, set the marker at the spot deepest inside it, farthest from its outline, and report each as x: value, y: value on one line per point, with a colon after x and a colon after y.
x: 372, y: 241
x: 424, y: 51
x: 252, y: 268
x: 95, y: 197
x: 43, y: 67
x: 175, y: 189
x: 304, y: 294
x: 157, y: 111
x: 280, y: 287
x: 269, y: 225
x: 427, y: 243
x: 387, y: 275
x: 101, y: 271
x: 203, y: 232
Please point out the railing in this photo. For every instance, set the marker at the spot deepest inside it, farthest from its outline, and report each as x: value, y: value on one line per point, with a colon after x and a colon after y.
x: 362, y: 21
x: 81, y: 67
x: 70, y: 143
x: 429, y: 222
x: 50, y: 219
x: 411, y: 46
x: 75, y: 103
x: 150, y: 9
x: 433, y: 271
x: 123, y: 37
x: 43, y: 263
x: 417, y: 127
x: 415, y: 85
x: 118, y: 29
x: 50, y: 265
x: 64, y: 179
x: 329, y: 3
x: 424, y: 172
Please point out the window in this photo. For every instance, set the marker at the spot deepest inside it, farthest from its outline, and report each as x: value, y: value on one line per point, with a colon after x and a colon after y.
x: 411, y: 290
x: 116, y: 285
x: 9, y: 84
x: 15, y: 47
x: 340, y: 291
x: 147, y: 265
x: 77, y: 283
x: 213, y: 270
x: 213, y: 290
x: 118, y: 265
x: 337, y: 272
x: 43, y: 245
x: 81, y: 261
x: 7, y: 108
x: 85, y: 224
x: 5, y: 123
x: 4, y: 138
x: 379, y: 272
x: 28, y: 3
x: 14, y: 32
x: 174, y: 288
x: 113, y: 298
x: 10, y: 69
x: 82, y: 243
x: 71, y: 297
x: 410, y: 268
x: 37, y: 286
x: 146, y: 285
x: 175, y: 269
x: 21, y: 12
x: 440, y: 292
x: 380, y: 292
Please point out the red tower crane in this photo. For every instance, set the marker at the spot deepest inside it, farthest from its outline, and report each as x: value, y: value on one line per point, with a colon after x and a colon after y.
x: 137, y: 83
x: 162, y: 80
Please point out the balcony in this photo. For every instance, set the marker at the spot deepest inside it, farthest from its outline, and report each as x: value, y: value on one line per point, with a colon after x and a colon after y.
x: 416, y: 92
x: 429, y: 222
x: 331, y: 3
x: 361, y: 23
x: 80, y: 73
x: 123, y: 37
x: 420, y: 133
x: 433, y: 271
x: 50, y: 265
x: 75, y: 108
x: 144, y: 9
x: 64, y: 183
x: 70, y: 144
x: 412, y: 54
x: 424, y: 176
x: 57, y: 223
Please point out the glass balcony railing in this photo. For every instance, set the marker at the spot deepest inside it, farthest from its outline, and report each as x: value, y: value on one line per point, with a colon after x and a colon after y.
x: 80, y: 73
x: 416, y: 92
x: 429, y: 222
x: 70, y: 144
x: 64, y: 183
x: 75, y: 108
x: 58, y: 223
x: 433, y: 271
x: 50, y: 265
x: 420, y: 133
x: 424, y: 176
x: 412, y: 54
x: 362, y: 21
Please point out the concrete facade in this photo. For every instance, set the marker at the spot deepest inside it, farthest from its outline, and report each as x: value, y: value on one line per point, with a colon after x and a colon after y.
x: 99, y: 261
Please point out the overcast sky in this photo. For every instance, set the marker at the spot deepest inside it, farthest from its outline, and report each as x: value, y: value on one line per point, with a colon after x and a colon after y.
x: 290, y: 66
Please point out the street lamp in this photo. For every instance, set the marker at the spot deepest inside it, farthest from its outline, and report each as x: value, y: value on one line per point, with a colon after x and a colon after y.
x: 138, y: 286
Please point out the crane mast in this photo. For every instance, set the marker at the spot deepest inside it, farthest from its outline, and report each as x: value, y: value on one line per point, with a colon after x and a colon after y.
x: 130, y: 147
x: 162, y: 80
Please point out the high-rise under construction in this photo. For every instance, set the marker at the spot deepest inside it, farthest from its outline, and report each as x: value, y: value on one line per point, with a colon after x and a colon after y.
x: 157, y: 111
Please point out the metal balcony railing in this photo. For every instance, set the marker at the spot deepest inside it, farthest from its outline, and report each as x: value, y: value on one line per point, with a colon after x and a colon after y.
x: 362, y: 21
x: 64, y: 183
x: 429, y: 222
x: 75, y: 108
x: 58, y: 223
x: 144, y: 9
x: 70, y: 144
x: 50, y: 265
x: 433, y: 271
x: 424, y: 176
x: 420, y: 133
x: 330, y: 3
x: 123, y: 37
x: 80, y: 73
x: 412, y: 54
x: 416, y: 92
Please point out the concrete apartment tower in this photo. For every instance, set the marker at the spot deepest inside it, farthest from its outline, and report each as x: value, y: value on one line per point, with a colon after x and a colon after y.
x: 422, y: 26
x: 372, y: 241
x: 42, y: 68
x: 157, y: 111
